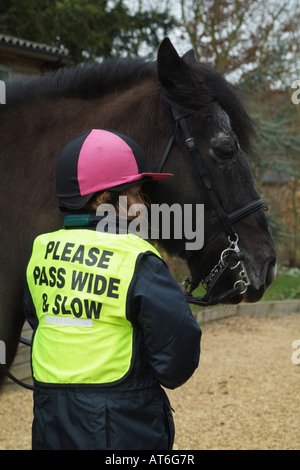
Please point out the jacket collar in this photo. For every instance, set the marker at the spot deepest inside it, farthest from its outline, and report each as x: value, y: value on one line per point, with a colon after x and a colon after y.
x: 91, y: 221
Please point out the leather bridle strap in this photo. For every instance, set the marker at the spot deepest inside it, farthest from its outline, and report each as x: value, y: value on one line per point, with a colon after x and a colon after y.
x: 233, y: 217
x: 168, y: 148
x: 205, y: 177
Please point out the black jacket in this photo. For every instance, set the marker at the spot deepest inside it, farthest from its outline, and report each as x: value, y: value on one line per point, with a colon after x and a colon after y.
x: 136, y: 413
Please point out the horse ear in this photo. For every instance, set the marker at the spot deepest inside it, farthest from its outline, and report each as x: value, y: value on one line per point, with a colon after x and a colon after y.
x: 171, y: 69
x: 189, y: 57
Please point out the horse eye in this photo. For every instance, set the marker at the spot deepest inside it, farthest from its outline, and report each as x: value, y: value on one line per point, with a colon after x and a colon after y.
x: 223, y: 147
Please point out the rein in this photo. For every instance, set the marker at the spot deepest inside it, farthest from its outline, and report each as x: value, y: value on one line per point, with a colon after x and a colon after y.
x: 224, y: 223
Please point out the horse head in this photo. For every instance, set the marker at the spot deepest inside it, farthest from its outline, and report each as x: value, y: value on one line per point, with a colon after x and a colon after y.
x: 205, y: 112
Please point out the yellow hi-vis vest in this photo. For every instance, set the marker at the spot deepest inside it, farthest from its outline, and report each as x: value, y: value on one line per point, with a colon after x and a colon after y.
x: 80, y: 282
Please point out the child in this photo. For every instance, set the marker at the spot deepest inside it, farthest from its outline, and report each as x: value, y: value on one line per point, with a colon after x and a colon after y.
x: 111, y: 326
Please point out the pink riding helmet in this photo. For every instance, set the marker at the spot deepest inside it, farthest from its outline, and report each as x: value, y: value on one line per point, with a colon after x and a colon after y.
x: 96, y: 160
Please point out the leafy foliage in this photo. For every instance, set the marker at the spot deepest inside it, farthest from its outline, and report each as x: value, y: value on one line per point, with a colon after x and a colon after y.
x: 90, y: 30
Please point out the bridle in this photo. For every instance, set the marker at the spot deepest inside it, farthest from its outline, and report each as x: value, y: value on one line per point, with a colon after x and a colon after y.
x: 224, y: 223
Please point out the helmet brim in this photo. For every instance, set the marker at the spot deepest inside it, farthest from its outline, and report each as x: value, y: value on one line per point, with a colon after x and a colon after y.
x: 78, y: 202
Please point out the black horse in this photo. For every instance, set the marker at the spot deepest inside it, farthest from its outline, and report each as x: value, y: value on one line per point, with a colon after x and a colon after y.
x: 145, y: 100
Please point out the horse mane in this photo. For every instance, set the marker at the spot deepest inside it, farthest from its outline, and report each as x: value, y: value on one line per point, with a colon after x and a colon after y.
x: 85, y: 81
x: 92, y: 80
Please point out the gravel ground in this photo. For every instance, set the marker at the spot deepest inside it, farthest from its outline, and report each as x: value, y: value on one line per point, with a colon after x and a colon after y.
x: 244, y: 395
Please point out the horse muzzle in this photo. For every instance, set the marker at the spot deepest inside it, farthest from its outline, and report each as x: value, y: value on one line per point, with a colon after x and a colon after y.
x: 260, y: 281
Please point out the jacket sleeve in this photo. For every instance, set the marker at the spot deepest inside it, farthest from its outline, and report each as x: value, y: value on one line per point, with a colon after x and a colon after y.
x: 171, y: 335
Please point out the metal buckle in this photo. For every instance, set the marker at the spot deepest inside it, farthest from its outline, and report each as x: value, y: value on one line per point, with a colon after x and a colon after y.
x: 190, y: 143
x: 244, y: 281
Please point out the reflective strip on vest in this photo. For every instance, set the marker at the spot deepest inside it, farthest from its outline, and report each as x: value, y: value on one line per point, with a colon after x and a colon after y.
x: 79, y: 281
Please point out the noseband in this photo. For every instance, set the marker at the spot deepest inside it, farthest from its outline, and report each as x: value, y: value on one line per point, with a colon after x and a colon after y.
x: 224, y: 223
